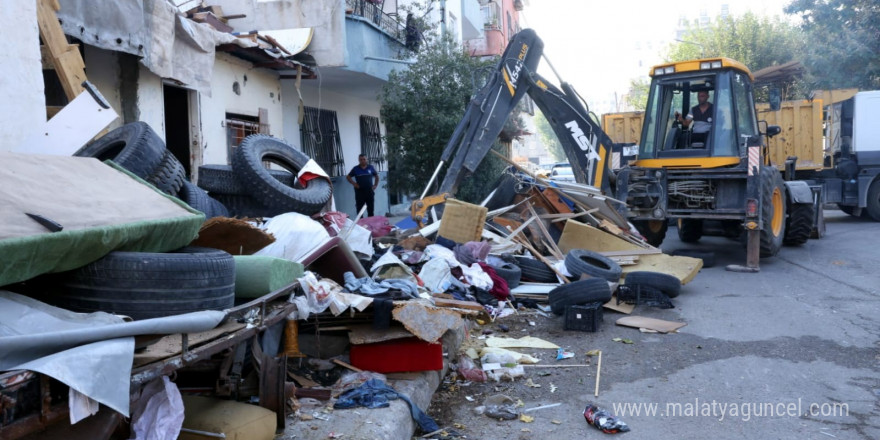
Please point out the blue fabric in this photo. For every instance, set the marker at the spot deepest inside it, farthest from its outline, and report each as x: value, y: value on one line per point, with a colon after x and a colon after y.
x: 376, y: 394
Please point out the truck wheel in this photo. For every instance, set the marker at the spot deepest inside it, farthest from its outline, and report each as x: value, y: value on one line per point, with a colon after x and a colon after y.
x: 799, y: 225
x: 772, y: 211
x: 577, y: 293
x: 247, y: 162
x: 690, y: 230
x: 873, y: 204
x: 654, y: 231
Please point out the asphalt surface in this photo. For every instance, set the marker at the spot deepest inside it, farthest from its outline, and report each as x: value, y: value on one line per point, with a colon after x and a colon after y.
x: 791, y: 352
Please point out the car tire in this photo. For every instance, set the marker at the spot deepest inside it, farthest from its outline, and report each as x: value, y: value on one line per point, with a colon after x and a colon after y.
x: 169, y: 175
x: 146, y: 285
x: 583, y: 262
x: 578, y: 293
x: 535, y: 270
x: 199, y: 200
x: 135, y: 147
x: 247, y: 161
x: 510, y: 272
x: 221, y: 179
x: 668, y: 284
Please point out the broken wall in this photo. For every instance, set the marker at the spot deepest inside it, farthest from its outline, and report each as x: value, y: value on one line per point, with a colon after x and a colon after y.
x: 257, y: 88
x: 327, y: 17
x: 22, y: 99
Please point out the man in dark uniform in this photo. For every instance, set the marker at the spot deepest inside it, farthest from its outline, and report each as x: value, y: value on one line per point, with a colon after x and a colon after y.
x: 365, y: 179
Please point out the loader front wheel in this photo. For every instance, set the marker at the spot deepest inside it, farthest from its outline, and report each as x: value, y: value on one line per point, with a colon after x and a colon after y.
x: 772, y: 211
x: 690, y: 230
x: 654, y: 231
x: 799, y: 225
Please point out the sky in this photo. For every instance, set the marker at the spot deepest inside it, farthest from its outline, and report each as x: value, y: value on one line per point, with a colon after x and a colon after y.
x: 599, y: 46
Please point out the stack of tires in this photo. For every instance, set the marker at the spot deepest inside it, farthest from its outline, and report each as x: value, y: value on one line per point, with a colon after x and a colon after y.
x: 249, y: 189
x: 138, y: 149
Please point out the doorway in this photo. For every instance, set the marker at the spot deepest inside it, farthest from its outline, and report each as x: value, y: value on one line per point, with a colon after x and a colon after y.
x: 177, y: 124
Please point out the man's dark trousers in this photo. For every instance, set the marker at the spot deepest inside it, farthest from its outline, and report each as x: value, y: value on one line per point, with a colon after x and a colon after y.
x: 364, y: 196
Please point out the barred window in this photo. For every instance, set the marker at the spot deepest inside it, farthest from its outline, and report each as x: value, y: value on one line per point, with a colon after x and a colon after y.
x: 240, y: 126
x: 371, y: 142
x: 319, y: 134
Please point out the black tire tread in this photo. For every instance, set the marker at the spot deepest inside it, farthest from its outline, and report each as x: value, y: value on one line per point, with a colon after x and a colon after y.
x: 690, y: 230
x: 668, y: 284
x: 169, y: 175
x: 149, y: 285
x: 872, y: 206
x: 577, y: 293
x: 770, y: 179
x: 221, y: 179
x: 134, y: 146
x: 582, y: 261
x: 510, y: 272
x: 653, y: 238
x: 198, y: 199
x: 799, y: 225
x: 245, y: 206
x: 535, y: 270
x: 247, y: 161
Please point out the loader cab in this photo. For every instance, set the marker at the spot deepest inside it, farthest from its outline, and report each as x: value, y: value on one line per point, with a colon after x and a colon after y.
x: 714, y: 139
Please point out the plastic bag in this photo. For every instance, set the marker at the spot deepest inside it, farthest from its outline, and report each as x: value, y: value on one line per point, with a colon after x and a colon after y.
x: 469, y: 371
x: 319, y: 293
x: 603, y: 420
x: 158, y: 412
x: 499, y: 407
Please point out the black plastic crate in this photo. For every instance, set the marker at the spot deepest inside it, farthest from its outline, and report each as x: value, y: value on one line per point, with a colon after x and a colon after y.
x: 585, y: 318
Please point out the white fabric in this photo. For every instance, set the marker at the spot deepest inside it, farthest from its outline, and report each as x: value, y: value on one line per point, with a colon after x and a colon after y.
x: 158, y: 412
x: 80, y: 405
x: 296, y: 235
x: 436, y: 276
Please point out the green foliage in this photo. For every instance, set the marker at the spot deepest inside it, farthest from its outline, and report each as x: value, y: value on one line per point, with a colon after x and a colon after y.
x: 421, y: 106
x: 757, y: 42
x: 548, y: 138
x: 637, y: 97
x: 477, y: 186
x: 844, y: 41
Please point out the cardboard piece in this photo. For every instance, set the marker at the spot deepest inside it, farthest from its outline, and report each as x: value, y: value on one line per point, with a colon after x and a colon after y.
x: 462, y: 222
x: 622, y: 307
x: 650, y: 323
x: 577, y: 235
x: 366, y: 334
x: 234, y: 236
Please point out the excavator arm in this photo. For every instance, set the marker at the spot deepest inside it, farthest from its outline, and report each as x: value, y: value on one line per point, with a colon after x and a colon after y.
x: 582, y: 139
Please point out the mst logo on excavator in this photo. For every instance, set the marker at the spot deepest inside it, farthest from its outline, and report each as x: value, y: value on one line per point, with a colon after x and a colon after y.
x: 511, y: 76
x: 587, y: 145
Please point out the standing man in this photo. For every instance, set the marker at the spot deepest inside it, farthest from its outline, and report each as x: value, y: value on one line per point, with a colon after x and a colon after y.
x: 365, y: 179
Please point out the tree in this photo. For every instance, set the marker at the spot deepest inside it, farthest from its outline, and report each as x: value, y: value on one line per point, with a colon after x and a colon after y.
x: 421, y: 106
x: 548, y: 138
x: 757, y: 42
x: 637, y: 97
x: 844, y: 41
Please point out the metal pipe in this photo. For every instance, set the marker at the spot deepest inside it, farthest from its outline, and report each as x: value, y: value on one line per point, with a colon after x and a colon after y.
x: 389, y: 60
x: 430, y: 182
x: 203, y: 433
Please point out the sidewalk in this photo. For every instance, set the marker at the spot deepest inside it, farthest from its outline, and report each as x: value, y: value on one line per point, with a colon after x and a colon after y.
x: 393, y: 422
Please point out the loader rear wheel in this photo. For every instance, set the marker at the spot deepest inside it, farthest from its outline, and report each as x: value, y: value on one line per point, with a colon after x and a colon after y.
x: 690, y: 230
x: 873, y: 203
x: 654, y: 231
x: 799, y: 225
x: 772, y: 211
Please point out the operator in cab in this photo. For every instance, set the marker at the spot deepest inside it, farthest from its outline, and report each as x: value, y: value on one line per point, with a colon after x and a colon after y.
x: 700, y: 116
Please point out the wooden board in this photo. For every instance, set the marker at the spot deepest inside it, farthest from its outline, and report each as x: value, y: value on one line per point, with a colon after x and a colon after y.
x: 577, y: 235
x: 65, y: 57
x: 650, y: 323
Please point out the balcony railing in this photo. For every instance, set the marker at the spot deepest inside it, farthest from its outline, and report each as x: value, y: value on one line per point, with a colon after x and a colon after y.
x: 372, y: 12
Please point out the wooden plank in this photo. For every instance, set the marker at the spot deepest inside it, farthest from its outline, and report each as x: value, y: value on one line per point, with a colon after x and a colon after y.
x: 64, y: 56
x: 469, y: 305
x: 170, y: 345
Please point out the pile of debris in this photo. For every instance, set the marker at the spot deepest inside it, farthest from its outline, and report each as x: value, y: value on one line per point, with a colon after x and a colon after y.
x: 197, y: 284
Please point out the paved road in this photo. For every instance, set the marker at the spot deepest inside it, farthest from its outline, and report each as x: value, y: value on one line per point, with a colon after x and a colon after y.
x: 758, y: 350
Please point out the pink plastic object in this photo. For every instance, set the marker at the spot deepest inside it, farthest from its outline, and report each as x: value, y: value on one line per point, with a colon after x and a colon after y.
x: 377, y: 225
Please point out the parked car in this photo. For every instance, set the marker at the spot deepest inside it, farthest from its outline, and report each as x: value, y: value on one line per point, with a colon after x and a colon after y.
x: 562, y: 173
